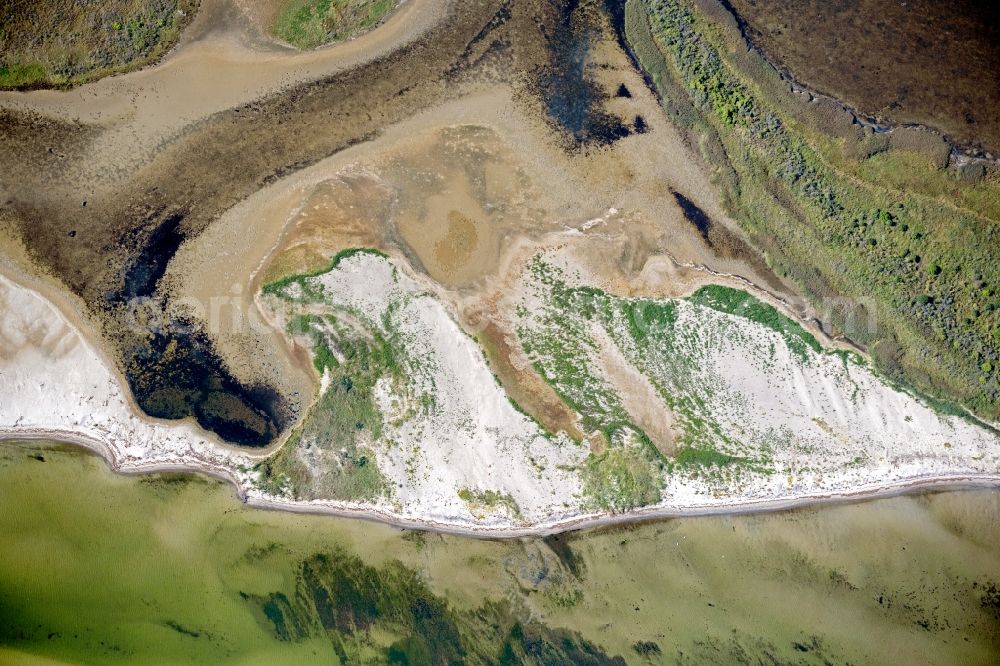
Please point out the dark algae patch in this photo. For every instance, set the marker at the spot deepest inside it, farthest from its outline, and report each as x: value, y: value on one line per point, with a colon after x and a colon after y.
x: 150, y: 263
x: 723, y: 241
x: 171, y: 365
x: 572, y: 97
x: 181, y: 629
x: 696, y: 216
x: 340, y: 597
x: 175, y: 373
x: 647, y: 649
x: 561, y: 546
x: 350, y: 597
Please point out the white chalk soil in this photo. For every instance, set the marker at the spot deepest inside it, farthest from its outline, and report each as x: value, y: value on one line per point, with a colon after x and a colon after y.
x: 447, y: 426
x: 54, y: 384
x: 794, y: 421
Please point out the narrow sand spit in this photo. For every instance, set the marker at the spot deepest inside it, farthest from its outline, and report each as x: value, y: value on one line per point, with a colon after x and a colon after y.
x: 57, y: 387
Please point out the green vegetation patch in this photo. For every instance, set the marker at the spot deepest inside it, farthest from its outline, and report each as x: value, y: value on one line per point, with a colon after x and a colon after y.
x: 62, y: 43
x: 622, y: 478
x: 308, y: 289
x: 738, y: 302
x: 690, y: 456
x: 307, y: 24
x: 912, y: 172
x: 487, y: 501
x: 559, y: 336
x: 345, y: 421
x: 558, y: 340
x: 14, y: 76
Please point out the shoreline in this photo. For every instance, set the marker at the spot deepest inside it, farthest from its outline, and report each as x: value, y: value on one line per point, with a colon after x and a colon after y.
x: 557, y: 525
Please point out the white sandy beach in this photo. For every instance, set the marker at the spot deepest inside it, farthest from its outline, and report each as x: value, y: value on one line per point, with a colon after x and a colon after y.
x: 56, y: 386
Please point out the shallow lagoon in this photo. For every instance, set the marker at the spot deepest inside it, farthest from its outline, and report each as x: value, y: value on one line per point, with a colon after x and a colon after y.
x: 98, y: 567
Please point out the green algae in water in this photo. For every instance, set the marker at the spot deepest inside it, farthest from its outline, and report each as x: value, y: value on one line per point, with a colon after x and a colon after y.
x: 97, y: 567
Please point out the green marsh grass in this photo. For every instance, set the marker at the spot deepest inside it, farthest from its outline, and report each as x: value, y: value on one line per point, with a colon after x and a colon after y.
x: 307, y: 24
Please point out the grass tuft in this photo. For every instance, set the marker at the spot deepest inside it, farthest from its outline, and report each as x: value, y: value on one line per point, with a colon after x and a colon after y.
x: 910, y: 247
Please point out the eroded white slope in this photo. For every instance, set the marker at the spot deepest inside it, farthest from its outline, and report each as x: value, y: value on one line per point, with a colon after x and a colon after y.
x: 812, y: 426
x: 448, y: 426
x: 796, y: 420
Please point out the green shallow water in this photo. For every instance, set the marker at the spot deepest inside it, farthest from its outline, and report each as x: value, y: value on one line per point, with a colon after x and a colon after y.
x: 101, y: 568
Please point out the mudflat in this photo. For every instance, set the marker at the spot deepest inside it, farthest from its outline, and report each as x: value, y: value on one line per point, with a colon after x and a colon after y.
x: 923, y: 62
x: 105, y: 189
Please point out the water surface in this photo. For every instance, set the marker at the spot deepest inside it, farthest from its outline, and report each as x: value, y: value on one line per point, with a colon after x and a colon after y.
x: 99, y: 567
